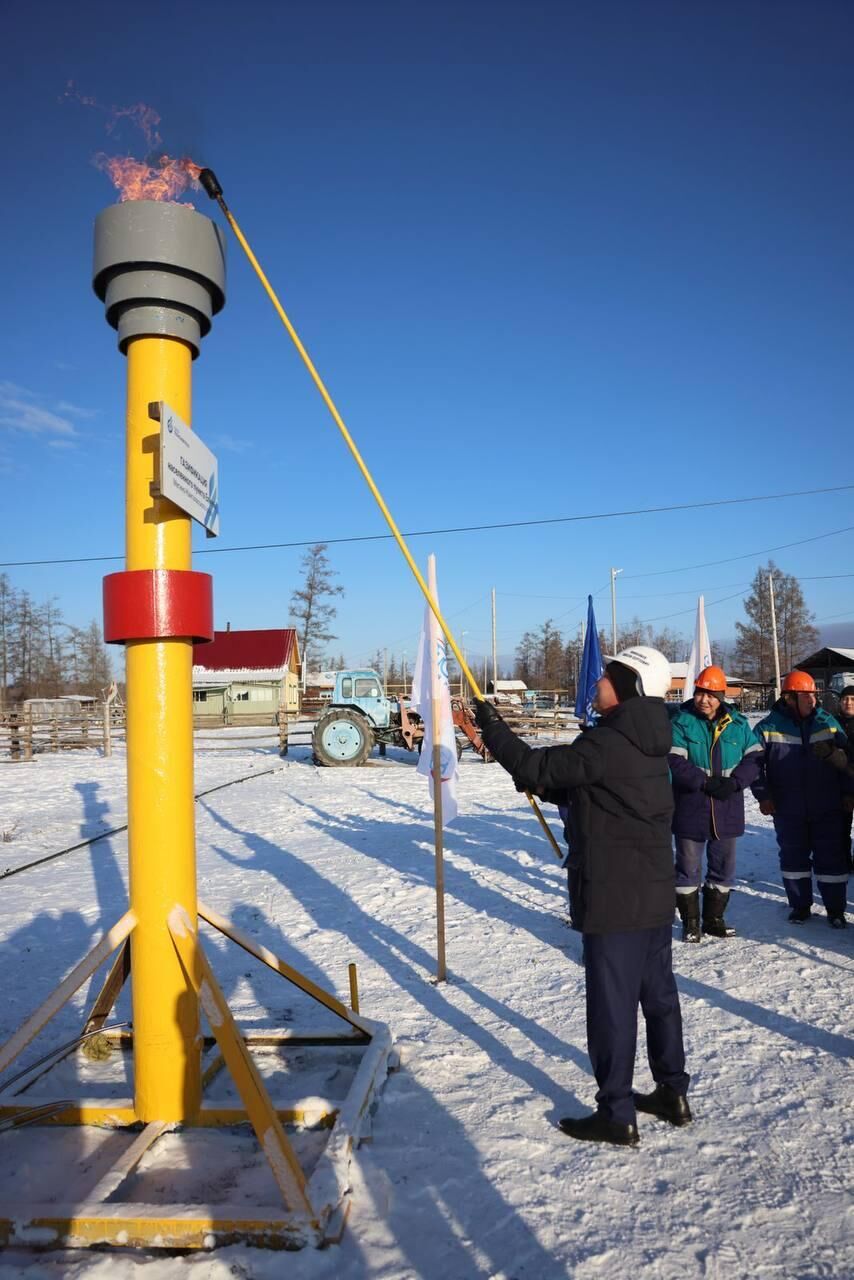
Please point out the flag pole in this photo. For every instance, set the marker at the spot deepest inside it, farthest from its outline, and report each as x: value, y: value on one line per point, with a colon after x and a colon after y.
x: 438, y: 826
x: 215, y: 192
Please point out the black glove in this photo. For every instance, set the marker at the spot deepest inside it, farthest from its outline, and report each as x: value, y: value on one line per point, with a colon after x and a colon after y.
x: 831, y: 754
x: 720, y: 788
x: 485, y: 714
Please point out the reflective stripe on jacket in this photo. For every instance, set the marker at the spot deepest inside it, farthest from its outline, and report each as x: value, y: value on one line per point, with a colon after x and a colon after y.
x: 801, y: 785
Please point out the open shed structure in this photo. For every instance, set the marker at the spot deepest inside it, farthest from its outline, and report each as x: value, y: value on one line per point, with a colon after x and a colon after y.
x: 827, y: 663
x: 247, y: 674
x: 832, y: 669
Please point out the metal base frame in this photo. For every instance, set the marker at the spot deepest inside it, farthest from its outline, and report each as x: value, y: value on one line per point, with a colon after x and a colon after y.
x: 314, y: 1210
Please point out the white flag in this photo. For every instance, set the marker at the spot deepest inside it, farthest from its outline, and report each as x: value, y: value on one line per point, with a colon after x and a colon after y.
x: 431, y: 698
x: 701, y: 650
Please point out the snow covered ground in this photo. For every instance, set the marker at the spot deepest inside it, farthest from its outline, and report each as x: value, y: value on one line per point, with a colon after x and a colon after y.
x: 467, y: 1175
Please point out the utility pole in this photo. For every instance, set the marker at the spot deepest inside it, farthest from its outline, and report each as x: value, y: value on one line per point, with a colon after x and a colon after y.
x: 405, y: 674
x: 464, y: 684
x: 494, y: 650
x: 614, y: 573
x: 385, y: 672
x: 774, y: 637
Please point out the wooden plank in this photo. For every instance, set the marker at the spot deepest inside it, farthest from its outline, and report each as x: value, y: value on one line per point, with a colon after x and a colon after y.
x: 274, y: 1142
x: 66, y: 989
x: 118, y: 1113
x: 274, y: 962
x: 109, y: 993
x: 127, y: 1161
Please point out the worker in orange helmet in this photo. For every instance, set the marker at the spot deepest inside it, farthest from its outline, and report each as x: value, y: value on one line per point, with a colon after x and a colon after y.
x: 803, y: 781
x: 714, y: 758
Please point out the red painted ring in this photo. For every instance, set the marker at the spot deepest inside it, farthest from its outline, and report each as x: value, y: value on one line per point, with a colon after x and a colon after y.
x: 158, y: 604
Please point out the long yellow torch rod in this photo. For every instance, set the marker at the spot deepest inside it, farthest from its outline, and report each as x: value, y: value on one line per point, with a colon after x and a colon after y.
x: 213, y: 189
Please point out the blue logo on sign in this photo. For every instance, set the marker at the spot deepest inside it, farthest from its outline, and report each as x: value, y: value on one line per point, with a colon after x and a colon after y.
x: 212, y: 513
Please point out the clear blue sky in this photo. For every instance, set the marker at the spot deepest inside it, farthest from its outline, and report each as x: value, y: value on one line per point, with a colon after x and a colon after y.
x: 550, y: 258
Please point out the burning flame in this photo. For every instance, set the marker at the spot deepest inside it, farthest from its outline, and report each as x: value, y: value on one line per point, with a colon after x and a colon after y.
x: 159, y: 176
x: 165, y: 179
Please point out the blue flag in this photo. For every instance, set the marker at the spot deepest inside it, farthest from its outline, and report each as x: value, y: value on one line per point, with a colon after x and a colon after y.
x: 591, y: 669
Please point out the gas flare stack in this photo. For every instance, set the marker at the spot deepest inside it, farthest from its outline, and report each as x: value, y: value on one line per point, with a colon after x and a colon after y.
x: 94, y: 1168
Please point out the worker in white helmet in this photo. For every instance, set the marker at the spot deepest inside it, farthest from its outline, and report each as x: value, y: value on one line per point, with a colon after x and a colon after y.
x: 615, y: 782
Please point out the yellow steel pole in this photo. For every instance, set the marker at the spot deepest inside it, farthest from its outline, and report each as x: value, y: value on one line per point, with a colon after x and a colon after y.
x: 369, y: 479
x: 161, y: 834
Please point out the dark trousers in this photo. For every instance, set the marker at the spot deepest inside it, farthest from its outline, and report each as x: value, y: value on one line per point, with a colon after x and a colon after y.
x: 624, y: 970
x: 808, y: 846
x: 720, y: 863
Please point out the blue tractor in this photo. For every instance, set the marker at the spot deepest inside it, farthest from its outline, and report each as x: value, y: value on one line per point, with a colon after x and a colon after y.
x: 360, y: 716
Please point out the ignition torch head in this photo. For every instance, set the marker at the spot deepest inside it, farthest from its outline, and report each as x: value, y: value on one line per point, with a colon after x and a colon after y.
x: 210, y: 182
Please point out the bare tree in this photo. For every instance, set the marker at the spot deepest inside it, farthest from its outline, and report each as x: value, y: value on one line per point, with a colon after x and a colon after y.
x: 96, y: 670
x: 526, y: 660
x: 796, y: 633
x: 634, y: 632
x: 309, y: 605
x: 7, y: 604
x: 672, y: 644
x: 51, y: 674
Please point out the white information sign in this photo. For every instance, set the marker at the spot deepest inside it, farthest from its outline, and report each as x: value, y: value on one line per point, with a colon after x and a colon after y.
x: 189, y: 472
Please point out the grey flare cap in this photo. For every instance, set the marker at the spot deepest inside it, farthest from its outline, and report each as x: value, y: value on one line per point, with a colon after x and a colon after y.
x: 159, y: 269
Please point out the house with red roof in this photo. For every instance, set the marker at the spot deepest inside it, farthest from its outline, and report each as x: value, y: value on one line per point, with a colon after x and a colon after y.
x: 243, y: 674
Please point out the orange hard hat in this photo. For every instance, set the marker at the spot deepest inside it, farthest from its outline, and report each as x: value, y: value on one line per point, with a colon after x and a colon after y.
x: 711, y: 678
x: 799, y: 682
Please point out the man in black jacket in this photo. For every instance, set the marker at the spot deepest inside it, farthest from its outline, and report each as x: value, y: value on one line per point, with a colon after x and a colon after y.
x: 616, y: 783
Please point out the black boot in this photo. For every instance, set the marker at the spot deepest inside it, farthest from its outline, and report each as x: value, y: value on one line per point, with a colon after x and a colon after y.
x: 665, y: 1103
x: 598, y: 1128
x: 688, y: 906
x: 714, y: 906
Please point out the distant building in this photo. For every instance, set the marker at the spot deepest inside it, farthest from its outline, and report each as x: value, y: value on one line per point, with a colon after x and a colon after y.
x: 507, y: 690
x: 826, y: 664
x: 247, y: 673
x: 746, y: 693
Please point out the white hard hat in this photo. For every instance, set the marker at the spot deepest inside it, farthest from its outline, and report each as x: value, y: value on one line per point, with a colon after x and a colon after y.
x: 652, y: 668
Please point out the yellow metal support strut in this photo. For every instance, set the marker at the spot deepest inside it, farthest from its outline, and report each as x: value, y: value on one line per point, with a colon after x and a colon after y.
x: 369, y: 480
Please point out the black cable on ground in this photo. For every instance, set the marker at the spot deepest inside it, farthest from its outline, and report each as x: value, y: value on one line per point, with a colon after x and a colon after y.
x: 115, y: 831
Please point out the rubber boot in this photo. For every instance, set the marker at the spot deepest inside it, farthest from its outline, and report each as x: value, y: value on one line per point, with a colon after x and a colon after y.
x: 714, y: 905
x: 688, y: 906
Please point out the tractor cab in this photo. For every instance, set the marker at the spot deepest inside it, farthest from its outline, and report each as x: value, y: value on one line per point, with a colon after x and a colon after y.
x: 363, y: 690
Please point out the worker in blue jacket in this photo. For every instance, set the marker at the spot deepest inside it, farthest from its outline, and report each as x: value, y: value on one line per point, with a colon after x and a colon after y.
x: 845, y: 716
x: 715, y: 756
x: 803, y: 781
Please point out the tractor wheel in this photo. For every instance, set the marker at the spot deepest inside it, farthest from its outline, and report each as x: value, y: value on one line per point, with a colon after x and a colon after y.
x: 342, y: 737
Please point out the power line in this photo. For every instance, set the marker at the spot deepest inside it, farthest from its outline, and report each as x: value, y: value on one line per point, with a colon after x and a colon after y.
x: 681, y: 613
x: 473, y: 528
x: 846, y: 613
x: 707, y: 564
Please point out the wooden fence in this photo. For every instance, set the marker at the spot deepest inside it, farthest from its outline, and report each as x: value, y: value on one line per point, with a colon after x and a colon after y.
x: 24, y: 735
x: 559, y: 722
